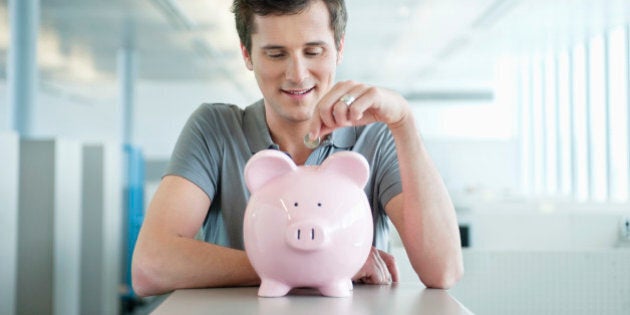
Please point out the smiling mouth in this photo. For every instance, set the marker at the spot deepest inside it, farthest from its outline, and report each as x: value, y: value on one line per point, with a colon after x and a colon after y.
x: 298, y: 92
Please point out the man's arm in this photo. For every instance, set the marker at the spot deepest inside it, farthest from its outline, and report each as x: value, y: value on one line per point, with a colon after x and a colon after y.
x: 167, y: 257
x: 423, y: 214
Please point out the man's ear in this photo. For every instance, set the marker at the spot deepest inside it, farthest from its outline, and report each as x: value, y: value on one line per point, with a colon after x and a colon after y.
x: 340, y: 50
x: 247, y: 58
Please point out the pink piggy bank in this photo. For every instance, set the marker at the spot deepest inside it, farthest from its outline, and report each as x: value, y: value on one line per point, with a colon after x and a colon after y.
x: 307, y: 226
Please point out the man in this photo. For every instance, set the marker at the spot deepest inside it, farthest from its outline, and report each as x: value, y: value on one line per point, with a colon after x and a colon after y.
x: 293, y: 49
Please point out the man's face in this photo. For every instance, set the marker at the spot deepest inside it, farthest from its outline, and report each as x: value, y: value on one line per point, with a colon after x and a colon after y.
x: 294, y: 59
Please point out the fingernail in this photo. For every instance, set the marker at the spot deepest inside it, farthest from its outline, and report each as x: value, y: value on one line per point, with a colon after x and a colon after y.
x: 312, y: 136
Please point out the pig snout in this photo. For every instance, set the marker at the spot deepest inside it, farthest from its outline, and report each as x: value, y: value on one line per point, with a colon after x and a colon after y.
x: 306, y: 236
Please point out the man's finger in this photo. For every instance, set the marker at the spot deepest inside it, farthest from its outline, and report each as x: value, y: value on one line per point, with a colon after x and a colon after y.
x: 386, y: 277
x: 390, y: 262
x: 380, y: 274
x: 315, y: 128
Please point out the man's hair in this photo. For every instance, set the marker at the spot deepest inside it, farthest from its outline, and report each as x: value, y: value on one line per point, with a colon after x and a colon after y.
x: 244, y: 11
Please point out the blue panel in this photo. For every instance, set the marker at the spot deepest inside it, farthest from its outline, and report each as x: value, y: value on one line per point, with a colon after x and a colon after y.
x: 134, y: 193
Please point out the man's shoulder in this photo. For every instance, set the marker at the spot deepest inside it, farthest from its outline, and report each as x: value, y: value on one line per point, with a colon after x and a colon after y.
x: 218, y: 114
x: 220, y: 109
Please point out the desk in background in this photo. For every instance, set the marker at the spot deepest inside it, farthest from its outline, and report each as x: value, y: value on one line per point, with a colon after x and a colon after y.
x: 401, y: 298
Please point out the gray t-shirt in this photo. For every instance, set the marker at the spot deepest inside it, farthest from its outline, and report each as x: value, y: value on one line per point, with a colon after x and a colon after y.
x: 218, y: 140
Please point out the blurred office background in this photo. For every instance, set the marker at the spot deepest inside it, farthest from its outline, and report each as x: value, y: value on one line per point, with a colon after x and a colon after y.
x: 523, y: 105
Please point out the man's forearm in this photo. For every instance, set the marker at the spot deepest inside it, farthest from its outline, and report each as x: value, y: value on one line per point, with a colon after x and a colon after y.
x: 179, y: 262
x: 429, y: 226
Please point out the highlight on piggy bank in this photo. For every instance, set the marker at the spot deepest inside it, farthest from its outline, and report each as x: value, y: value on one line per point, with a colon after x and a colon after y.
x: 307, y: 226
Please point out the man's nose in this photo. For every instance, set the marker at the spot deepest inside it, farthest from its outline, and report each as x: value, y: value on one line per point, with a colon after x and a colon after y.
x: 297, y: 70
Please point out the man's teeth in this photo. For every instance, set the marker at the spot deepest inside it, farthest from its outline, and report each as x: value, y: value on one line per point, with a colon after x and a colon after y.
x: 301, y: 92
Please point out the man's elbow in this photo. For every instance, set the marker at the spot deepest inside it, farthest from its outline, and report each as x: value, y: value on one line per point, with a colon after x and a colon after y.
x: 444, y: 280
x: 143, y: 279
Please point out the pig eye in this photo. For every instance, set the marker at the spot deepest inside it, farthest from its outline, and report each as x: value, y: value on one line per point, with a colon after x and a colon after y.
x: 295, y: 204
x: 319, y: 204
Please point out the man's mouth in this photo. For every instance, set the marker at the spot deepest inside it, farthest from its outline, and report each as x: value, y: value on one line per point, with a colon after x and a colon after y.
x: 298, y: 92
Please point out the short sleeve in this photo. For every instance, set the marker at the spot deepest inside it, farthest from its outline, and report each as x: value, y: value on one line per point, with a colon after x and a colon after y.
x: 387, y: 171
x: 196, y: 156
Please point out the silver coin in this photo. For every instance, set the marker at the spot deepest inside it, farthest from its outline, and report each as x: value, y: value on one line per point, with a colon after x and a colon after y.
x: 312, y: 143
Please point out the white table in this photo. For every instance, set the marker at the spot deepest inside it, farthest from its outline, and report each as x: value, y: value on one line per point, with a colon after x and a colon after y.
x: 401, y: 298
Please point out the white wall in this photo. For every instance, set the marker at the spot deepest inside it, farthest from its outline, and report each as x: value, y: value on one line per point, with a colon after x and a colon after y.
x: 472, y: 166
x: 81, y: 112
x: 532, y: 230
x: 162, y: 109
x: 92, y: 112
x: 473, y: 144
x: 465, y: 120
x: 496, y: 228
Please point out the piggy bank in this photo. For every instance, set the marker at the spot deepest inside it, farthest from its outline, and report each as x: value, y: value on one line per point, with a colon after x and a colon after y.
x: 307, y: 226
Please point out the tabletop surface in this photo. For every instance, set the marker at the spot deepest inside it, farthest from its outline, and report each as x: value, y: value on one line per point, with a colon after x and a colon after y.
x: 399, y: 298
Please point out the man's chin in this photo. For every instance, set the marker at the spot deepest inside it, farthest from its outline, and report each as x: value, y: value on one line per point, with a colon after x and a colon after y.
x: 300, y: 115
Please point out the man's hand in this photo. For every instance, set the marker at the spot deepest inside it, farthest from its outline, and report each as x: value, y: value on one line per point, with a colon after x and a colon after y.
x: 351, y: 103
x: 379, y: 268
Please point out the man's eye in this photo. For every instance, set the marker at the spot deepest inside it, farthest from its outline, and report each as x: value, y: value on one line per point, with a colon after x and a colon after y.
x: 313, y: 52
x: 275, y: 55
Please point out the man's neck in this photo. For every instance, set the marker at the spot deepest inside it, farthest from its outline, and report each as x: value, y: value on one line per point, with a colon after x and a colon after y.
x: 290, y: 138
x: 292, y: 142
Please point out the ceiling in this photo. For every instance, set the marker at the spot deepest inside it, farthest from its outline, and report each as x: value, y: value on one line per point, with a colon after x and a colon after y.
x: 409, y: 45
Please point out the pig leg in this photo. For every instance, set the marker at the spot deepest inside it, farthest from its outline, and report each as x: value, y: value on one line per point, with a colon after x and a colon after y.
x: 272, y: 288
x: 339, y: 288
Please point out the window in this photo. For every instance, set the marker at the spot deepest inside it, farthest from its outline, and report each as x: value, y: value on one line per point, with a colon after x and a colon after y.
x: 538, y: 118
x: 550, y: 109
x: 598, y: 119
x: 564, y: 124
x: 617, y: 56
x: 580, y: 125
x: 526, y: 128
x: 574, y: 120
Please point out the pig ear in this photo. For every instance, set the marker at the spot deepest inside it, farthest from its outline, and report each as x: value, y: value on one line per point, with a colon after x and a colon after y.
x: 349, y: 164
x: 265, y: 166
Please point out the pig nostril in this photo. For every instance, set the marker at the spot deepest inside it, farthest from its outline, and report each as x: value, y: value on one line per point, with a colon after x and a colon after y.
x: 300, y: 234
